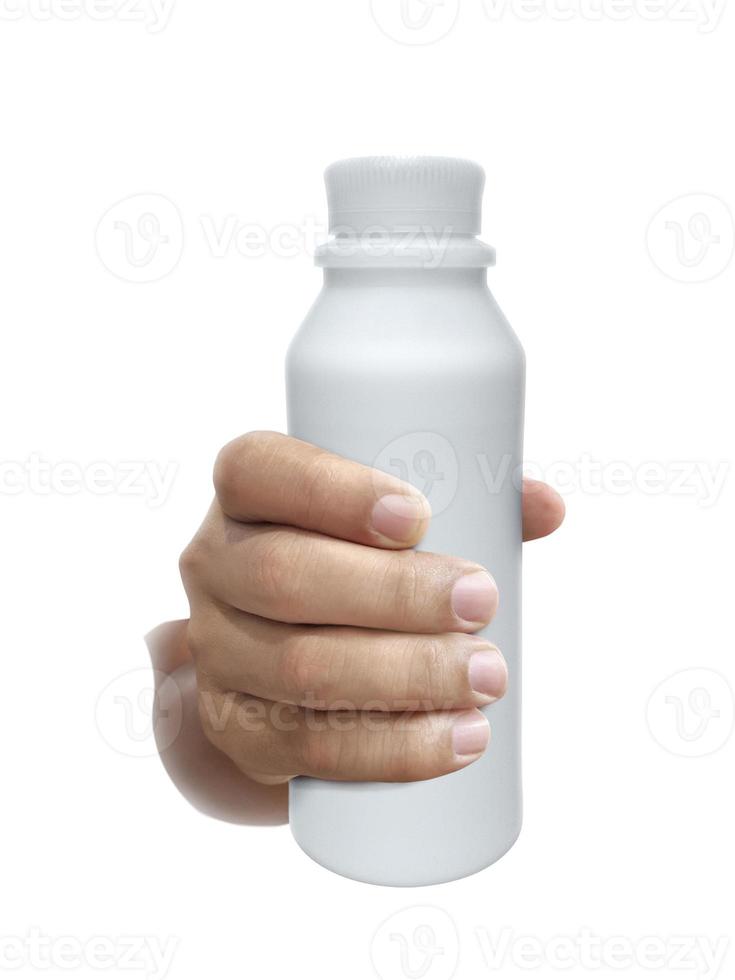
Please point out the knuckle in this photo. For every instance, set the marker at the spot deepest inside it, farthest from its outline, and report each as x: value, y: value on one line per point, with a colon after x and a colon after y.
x: 201, y: 646
x: 322, y: 753
x: 233, y: 724
x: 279, y: 574
x: 238, y: 456
x: 427, y: 663
x: 405, y: 753
x: 306, y: 669
x: 319, y: 483
x: 392, y: 760
x: 402, y: 765
x: 225, y: 466
x: 416, y: 749
x: 192, y: 561
x: 273, y: 567
x: 405, y: 584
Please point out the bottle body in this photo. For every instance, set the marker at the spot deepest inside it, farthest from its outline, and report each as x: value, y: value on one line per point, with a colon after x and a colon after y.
x: 417, y: 372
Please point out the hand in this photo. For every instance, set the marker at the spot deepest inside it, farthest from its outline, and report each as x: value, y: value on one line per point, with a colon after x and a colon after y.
x: 387, y: 686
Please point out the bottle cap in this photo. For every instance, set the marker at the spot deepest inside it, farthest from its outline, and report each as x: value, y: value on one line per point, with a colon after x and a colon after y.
x: 393, y: 194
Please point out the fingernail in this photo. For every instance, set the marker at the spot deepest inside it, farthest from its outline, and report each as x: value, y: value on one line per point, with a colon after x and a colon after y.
x: 470, y: 734
x: 399, y: 517
x: 488, y: 673
x: 475, y: 597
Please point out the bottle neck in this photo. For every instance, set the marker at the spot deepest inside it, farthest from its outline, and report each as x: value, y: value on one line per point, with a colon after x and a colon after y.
x: 405, y: 277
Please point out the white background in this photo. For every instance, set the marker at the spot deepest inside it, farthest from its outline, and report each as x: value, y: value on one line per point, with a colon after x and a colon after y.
x: 588, y: 125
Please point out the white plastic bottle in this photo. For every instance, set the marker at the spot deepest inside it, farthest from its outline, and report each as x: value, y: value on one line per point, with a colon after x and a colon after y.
x: 406, y: 363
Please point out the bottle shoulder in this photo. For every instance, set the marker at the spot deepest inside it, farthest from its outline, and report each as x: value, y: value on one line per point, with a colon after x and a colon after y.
x: 392, y: 325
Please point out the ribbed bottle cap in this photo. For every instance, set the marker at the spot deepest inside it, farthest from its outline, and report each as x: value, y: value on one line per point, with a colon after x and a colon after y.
x: 392, y: 194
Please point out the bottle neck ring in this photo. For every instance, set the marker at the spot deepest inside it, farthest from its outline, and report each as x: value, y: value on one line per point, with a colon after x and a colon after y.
x: 412, y: 248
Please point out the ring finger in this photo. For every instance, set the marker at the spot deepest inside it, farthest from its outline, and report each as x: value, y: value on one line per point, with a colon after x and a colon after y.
x: 337, y: 667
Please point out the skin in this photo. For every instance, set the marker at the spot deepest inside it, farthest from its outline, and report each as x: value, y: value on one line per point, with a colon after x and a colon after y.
x: 322, y: 644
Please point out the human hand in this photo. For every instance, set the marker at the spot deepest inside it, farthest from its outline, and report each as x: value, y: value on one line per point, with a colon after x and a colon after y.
x: 387, y: 686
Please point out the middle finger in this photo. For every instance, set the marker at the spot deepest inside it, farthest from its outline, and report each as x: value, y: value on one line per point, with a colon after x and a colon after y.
x: 298, y: 576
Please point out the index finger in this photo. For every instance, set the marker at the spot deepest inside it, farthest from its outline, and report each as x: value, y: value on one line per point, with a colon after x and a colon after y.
x: 270, y: 477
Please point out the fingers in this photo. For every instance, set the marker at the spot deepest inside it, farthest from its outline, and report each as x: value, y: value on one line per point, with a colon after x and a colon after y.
x: 266, y: 476
x: 267, y: 740
x: 297, y: 576
x: 543, y: 509
x: 314, y: 627
x: 338, y: 668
